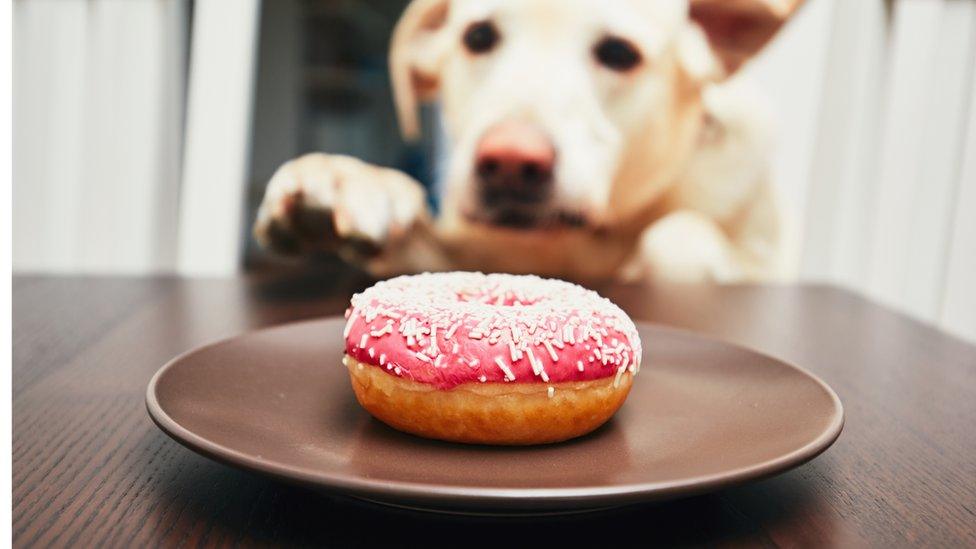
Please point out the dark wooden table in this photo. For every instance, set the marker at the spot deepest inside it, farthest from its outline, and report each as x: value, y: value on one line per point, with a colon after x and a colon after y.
x: 90, y: 468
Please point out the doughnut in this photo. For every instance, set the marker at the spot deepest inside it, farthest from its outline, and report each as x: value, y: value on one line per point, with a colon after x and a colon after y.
x: 489, y: 358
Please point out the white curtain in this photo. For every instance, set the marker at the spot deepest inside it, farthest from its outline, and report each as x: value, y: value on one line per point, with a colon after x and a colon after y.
x: 98, y: 113
x: 891, y: 193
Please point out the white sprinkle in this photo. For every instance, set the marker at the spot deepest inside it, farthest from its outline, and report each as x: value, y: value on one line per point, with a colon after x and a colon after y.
x: 508, y: 371
x: 474, y: 362
x: 475, y: 335
x: 345, y: 360
x: 362, y: 341
x: 450, y: 331
x: 396, y: 370
x: 482, y: 378
x: 422, y: 356
x: 579, y: 365
x: 371, y: 353
x: 552, y: 352
x: 536, y: 367
x: 455, y: 348
x: 551, y: 391
x: 348, y: 328
x: 620, y: 373
x: 382, y: 359
x: 513, y: 351
x: 437, y: 361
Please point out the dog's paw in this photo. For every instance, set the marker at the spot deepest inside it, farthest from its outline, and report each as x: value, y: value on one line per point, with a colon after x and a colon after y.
x: 321, y: 202
x: 686, y: 247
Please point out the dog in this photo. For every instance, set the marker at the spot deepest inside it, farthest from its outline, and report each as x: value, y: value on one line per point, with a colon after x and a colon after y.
x: 588, y: 140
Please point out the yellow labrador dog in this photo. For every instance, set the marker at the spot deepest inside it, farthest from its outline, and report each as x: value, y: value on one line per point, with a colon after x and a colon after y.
x: 588, y: 139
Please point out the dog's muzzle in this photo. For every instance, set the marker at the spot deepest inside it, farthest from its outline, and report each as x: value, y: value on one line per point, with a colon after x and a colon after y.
x: 514, y: 164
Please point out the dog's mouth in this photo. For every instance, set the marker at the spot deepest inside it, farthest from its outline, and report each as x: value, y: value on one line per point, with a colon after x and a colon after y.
x: 525, y: 218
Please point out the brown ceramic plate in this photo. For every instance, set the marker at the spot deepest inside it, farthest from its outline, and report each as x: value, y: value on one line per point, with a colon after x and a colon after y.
x: 702, y: 414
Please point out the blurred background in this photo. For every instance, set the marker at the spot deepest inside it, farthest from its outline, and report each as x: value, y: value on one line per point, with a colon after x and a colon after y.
x: 145, y: 131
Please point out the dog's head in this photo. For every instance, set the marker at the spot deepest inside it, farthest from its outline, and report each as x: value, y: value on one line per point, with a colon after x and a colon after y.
x: 568, y: 112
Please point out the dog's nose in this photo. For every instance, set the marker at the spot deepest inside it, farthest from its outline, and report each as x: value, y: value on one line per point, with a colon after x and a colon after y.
x: 514, y: 160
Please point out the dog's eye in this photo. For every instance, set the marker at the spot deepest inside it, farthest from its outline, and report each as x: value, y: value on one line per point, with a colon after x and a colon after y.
x: 481, y: 37
x: 616, y: 53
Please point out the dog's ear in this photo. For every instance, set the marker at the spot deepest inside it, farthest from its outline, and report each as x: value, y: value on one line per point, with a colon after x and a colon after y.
x: 416, y: 56
x: 738, y: 29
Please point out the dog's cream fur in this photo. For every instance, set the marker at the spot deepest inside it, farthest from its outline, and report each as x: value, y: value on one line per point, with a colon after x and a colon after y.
x: 667, y: 162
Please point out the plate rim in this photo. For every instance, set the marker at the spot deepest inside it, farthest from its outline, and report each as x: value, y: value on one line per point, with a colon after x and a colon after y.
x: 567, y: 497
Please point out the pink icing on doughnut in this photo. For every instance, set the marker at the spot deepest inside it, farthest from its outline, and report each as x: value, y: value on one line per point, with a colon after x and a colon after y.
x: 445, y: 329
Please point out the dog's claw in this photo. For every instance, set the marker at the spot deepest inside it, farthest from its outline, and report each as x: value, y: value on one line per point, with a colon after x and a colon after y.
x: 282, y: 240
